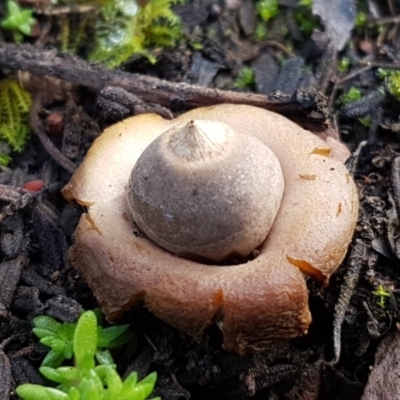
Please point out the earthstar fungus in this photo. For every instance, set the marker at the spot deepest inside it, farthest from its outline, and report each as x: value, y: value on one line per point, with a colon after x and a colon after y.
x: 253, y: 303
x: 196, y: 192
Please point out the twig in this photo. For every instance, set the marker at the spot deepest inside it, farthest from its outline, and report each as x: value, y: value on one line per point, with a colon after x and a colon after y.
x: 312, y: 113
x: 378, y: 64
x: 356, y: 261
x: 355, y: 73
x: 395, y: 19
x: 56, y: 154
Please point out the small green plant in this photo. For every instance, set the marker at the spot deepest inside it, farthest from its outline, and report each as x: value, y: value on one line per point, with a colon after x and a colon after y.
x: 15, y: 103
x: 353, y: 94
x: 93, y: 375
x: 267, y: 9
x: 383, y: 73
x: 382, y: 295
x: 366, y: 121
x: 261, y: 31
x: 361, y: 19
x: 344, y: 64
x: 18, y: 20
x: 245, y: 79
x: 59, y: 337
x: 306, y: 20
x: 393, y: 83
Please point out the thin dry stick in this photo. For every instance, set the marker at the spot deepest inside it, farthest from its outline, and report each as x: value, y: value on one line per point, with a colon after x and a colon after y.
x: 56, y: 154
x: 356, y: 259
x: 309, y: 109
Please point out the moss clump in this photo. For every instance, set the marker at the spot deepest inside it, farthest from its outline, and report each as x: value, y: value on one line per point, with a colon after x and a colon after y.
x: 246, y: 78
x: 353, y: 94
x: 15, y: 103
x: 116, y: 30
x: 393, y: 83
x: 120, y: 29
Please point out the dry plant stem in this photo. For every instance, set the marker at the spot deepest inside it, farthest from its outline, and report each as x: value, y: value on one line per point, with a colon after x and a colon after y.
x: 311, y: 114
x: 9, y: 193
x: 395, y: 178
x: 356, y: 259
x: 353, y: 74
x: 378, y: 64
x: 66, y: 10
x: 352, y: 161
x: 56, y: 154
x: 277, y: 45
x: 326, y: 68
x: 10, y: 273
x: 21, y: 202
x: 5, y: 376
x: 352, y: 274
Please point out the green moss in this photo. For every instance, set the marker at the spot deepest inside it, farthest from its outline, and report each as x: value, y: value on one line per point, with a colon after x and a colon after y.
x: 245, y: 79
x: 344, y: 64
x: 15, y: 103
x: 361, y: 19
x: 306, y: 21
x: 4, y: 159
x: 353, y: 94
x: 124, y: 29
x: 120, y: 29
x: 383, y: 73
x: 261, y: 31
x: 393, y: 83
x: 267, y: 9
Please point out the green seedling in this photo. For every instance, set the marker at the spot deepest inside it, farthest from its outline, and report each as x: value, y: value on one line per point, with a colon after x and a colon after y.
x: 382, y: 295
x: 267, y: 9
x: 353, y: 94
x: 59, y: 337
x: 89, y: 378
x: 18, y: 20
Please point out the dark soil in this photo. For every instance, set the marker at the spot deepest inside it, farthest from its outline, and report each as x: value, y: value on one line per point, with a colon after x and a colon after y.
x: 36, y: 226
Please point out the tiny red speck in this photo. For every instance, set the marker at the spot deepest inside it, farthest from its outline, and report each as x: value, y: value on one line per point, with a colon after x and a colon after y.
x: 33, y: 186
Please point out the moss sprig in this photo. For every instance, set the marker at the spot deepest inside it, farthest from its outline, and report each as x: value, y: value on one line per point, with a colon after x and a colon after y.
x: 15, y: 103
